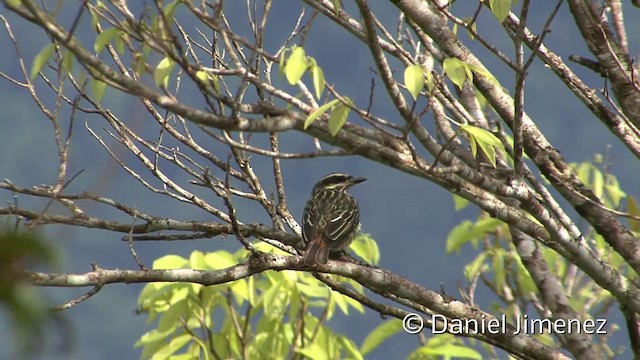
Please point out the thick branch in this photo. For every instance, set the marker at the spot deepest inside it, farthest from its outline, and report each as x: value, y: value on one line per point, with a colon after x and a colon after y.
x: 379, y: 279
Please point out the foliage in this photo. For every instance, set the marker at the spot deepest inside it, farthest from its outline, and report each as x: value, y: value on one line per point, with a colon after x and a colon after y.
x: 268, y: 316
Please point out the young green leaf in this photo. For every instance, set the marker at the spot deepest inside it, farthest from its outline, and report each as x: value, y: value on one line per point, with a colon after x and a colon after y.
x: 318, y: 112
x: 120, y: 42
x: 170, y: 9
x: 378, y: 335
x: 350, y: 348
x: 429, y: 80
x: 162, y: 72
x: 414, y: 80
x: 477, y: 266
x: 634, y: 209
x: 338, y: 118
x: 296, y: 65
x: 41, y: 59
x: 455, y: 70
x: 202, y: 76
x: 615, y: 193
x: 98, y: 88
x: 337, y: 5
x: 366, y: 248
x: 498, y: 266
x: 282, y: 62
x: 446, y: 351
x: 67, y: 61
x: 483, y: 72
x: 318, y: 80
x: 485, y: 139
x: 459, y: 202
x: 208, y: 78
x: 103, y: 39
x: 171, y: 262
x: 500, y: 8
x: 473, y: 27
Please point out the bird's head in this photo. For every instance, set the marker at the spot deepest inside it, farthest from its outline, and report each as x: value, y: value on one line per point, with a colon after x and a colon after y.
x: 337, y: 181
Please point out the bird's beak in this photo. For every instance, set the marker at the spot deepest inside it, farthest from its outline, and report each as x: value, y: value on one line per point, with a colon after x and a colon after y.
x: 358, y: 180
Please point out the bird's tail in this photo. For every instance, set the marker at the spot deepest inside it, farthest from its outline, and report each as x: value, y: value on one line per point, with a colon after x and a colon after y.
x: 317, y: 253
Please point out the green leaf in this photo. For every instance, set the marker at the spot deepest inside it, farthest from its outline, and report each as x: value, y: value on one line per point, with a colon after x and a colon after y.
x: 171, y: 262
x: 414, y: 80
x: 338, y: 118
x: 41, y: 59
x: 156, y: 296
x: 120, y: 43
x: 473, y: 27
x: 318, y: 112
x: 498, y: 256
x: 220, y: 259
x: 475, y: 267
x: 296, y: 65
x: 381, y: 333
x: 171, y: 319
x: 203, y: 76
x: 67, y: 61
x: 634, y: 209
x: 467, y: 231
x: 313, y: 290
x: 318, y: 80
x: 337, y: 5
x: 458, y: 236
x: 315, y: 351
x: 209, y: 78
x: 447, y: 351
x: 459, y: 202
x: 341, y: 301
x: 483, y: 72
x: 366, y: 248
x: 525, y: 281
x: 355, y: 304
x: 104, y: 38
x: 170, y: 9
x: 282, y: 62
x: 485, y: 139
x: 456, y: 70
x: 98, y: 88
x: 271, y: 300
x: 162, y: 72
x: 350, y: 347
x: 196, y: 260
x: 614, y: 191
x: 152, y: 342
x: 152, y: 337
x: 598, y: 182
x: 430, y: 82
x: 500, y: 8
x: 180, y: 292
x: 188, y: 356
x: 583, y: 171
x: 172, y: 347
x: 240, y: 291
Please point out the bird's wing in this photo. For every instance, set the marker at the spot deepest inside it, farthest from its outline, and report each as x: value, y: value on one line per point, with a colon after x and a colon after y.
x: 309, y: 221
x: 343, y: 220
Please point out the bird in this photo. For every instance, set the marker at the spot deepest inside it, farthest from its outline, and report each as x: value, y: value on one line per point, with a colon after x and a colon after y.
x: 331, y: 218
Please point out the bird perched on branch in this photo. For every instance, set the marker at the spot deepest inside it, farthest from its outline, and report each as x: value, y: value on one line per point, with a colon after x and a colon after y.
x: 331, y: 217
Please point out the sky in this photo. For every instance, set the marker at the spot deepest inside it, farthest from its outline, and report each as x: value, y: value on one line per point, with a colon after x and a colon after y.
x: 409, y: 218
